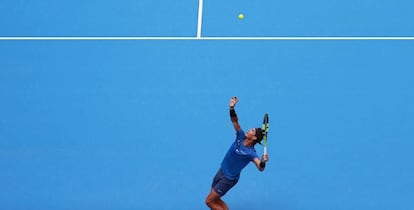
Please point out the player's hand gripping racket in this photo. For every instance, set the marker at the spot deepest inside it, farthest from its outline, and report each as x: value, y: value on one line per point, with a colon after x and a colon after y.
x: 265, y: 130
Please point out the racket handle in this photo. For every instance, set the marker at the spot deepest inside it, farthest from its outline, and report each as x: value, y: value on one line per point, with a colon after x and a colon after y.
x: 265, y: 150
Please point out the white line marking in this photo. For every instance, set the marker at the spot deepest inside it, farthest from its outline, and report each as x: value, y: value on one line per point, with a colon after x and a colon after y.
x: 204, y: 38
x: 200, y: 18
x: 97, y: 38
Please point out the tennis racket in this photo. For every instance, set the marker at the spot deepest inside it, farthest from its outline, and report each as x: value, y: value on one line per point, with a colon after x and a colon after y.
x: 265, y: 130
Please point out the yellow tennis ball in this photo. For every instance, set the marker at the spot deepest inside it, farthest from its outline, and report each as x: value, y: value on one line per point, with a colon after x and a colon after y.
x: 241, y: 16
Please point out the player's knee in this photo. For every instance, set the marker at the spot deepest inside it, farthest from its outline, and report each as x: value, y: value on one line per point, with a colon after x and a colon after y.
x: 209, y: 202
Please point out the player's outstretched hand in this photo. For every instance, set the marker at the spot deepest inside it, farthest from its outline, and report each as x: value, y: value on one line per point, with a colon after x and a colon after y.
x: 233, y: 101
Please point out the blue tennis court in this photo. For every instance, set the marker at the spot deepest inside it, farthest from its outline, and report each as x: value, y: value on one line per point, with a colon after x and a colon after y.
x: 143, y: 124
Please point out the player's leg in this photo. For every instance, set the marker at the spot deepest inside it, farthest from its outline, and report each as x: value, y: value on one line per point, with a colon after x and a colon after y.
x: 223, y: 204
x: 220, y: 186
x: 214, y: 201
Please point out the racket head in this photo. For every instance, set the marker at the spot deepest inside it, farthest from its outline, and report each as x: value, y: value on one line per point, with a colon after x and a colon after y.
x: 265, y: 128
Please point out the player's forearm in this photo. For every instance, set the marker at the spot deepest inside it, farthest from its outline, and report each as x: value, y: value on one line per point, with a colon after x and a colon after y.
x: 262, y: 164
x: 233, y: 115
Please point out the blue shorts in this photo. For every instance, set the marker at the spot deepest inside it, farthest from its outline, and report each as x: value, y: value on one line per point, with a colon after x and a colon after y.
x: 222, y: 184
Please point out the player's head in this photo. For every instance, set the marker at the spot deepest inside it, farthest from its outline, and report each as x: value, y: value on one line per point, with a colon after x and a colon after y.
x: 259, y: 135
x: 256, y: 134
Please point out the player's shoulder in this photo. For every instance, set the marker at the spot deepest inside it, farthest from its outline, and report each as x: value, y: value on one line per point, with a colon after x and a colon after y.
x: 240, y: 132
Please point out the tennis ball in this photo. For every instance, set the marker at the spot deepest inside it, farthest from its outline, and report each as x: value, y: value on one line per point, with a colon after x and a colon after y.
x: 241, y: 16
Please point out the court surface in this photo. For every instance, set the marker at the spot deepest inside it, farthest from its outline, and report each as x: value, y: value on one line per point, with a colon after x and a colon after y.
x: 143, y: 124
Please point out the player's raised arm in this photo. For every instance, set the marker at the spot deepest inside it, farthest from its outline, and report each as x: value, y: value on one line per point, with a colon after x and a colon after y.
x: 233, y: 115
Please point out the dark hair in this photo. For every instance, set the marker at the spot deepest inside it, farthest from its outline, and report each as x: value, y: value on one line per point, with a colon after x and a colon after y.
x: 259, y: 135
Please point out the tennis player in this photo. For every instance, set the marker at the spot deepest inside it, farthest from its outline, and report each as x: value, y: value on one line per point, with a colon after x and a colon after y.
x: 240, y: 153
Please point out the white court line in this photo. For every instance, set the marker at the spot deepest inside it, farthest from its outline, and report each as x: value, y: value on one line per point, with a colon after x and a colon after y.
x: 200, y: 18
x: 322, y: 38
